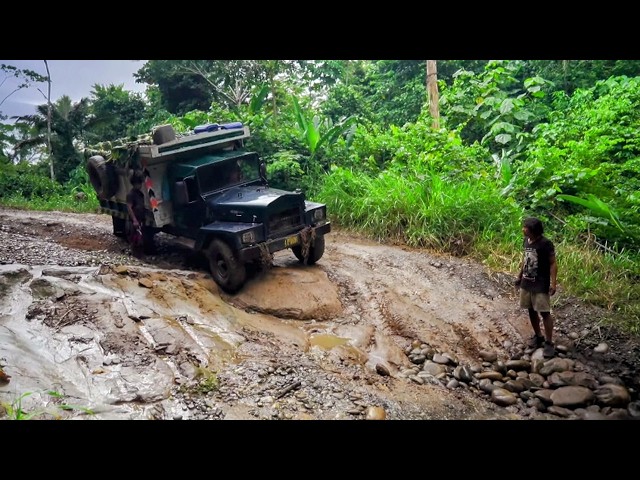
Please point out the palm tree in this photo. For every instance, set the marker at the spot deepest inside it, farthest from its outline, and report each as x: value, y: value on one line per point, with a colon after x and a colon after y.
x: 69, y: 131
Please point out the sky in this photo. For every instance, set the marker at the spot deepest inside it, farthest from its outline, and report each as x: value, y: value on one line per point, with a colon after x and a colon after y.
x: 74, y: 78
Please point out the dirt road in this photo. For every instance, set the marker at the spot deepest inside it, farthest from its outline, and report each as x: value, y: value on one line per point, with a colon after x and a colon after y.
x: 370, y: 332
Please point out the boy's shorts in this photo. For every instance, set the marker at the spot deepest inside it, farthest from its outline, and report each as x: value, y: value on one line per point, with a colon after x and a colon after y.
x: 540, y: 302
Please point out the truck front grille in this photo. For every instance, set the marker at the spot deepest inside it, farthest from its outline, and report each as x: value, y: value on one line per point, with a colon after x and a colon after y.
x: 284, y: 222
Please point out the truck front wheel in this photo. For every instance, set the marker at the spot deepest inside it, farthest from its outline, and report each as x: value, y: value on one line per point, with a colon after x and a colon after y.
x: 227, y: 271
x: 316, y: 250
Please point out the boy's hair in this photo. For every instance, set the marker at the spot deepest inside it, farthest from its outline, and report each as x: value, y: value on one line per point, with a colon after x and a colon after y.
x: 534, y: 225
x: 136, y: 178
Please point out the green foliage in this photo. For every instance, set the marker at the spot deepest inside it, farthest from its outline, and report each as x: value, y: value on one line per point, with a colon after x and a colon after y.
x: 24, y: 186
x: 20, y: 181
x: 589, y: 150
x: 284, y: 170
x: 121, y: 109
x: 316, y: 131
x: 497, y: 108
x: 16, y: 409
x: 180, y: 91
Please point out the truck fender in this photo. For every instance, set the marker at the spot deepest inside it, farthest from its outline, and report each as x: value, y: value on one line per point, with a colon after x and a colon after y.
x: 208, y: 233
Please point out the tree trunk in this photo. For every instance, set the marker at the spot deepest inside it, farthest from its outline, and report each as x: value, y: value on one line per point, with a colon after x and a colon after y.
x: 49, y: 122
x: 432, y: 92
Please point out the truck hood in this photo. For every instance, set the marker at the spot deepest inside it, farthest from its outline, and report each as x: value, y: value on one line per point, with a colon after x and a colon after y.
x: 252, y: 197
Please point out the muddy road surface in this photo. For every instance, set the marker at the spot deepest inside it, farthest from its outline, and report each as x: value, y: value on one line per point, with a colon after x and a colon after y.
x: 372, y: 331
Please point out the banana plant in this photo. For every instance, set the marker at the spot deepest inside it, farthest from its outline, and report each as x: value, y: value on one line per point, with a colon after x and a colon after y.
x: 597, y: 207
x: 313, y: 137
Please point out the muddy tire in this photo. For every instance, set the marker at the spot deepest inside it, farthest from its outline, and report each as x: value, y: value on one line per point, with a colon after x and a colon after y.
x: 102, y: 175
x: 316, y: 250
x: 119, y: 226
x: 227, y: 271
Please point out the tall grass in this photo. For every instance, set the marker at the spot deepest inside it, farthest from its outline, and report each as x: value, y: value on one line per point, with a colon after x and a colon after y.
x: 64, y: 202
x: 420, y: 210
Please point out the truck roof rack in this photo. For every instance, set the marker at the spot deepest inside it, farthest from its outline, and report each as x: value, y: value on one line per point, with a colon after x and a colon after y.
x: 206, y: 142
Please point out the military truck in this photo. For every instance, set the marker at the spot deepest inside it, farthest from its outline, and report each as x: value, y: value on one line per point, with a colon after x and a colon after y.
x: 205, y: 187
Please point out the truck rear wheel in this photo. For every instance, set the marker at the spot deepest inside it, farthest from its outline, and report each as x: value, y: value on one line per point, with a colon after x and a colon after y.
x: 227, y: 271
x: 119, y: 225
x: 316, y: 250
x: 102, y: 176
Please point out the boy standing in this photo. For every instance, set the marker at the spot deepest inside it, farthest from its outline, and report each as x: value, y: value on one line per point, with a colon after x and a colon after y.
x: 537, y: 282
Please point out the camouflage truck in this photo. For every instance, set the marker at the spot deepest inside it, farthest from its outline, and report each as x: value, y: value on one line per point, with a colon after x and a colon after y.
x: 205, y: 187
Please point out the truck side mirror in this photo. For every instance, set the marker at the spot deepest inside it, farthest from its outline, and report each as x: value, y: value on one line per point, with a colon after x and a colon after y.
x: 181, y: 196
x: 263, y: 171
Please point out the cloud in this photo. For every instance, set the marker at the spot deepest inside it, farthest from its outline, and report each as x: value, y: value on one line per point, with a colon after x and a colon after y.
x: 74, y: 78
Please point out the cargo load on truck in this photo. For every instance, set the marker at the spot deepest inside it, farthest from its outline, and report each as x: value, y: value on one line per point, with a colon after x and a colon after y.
x: 206, y: 187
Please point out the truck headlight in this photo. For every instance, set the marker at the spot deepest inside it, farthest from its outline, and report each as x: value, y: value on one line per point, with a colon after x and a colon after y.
x: 249, y: 237
x: 318, y: 214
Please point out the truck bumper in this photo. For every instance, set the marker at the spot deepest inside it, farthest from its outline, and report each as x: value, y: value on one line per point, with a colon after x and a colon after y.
x: 254, y: 252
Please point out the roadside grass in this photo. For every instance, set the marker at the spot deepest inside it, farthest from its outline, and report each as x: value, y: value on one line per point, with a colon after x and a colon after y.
x: 15, y: 410
x: 58, y: 202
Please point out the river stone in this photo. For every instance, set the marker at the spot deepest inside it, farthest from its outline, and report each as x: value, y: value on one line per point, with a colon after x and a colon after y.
x: 501, y: 367
x: 375, y: 413
x: 564, y: 347
x: 572, y: 396
x: 634, y: 409
x: 433, y: 368
x: 537, y: 404
x: 440, y: 359
x: 418, y: 359
x: 453, y: 360
x: 453, y: 383
x: 503, y: 397
x: 601, y: 348
x: 42, y: 288
x: 537, y: 379
x: 585, y: 414
x: 145, y: 282
x: 486, y: 385
x: 518, y: 364
x: 613, y: 395
x: 604, y: 379
x: 619, y: 414
x: 463, y: 373
x: 544, y: 395
x: 427, y: 352
x: 490, y: 374
x: 560, y: 379
x: 488, y: 356
x: 514, y: 386
x: 475, y: 367
x: 556, y: 365
x: 560, y: 411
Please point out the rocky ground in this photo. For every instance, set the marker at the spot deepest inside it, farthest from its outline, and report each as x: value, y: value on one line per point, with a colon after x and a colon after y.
x: 371, y: 332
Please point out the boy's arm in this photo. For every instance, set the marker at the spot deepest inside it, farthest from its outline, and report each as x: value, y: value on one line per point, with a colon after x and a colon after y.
x: 553, y: 268
x: 519, y: 279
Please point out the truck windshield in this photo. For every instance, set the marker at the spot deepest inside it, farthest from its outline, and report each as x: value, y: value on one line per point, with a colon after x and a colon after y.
x: 229, y: 172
